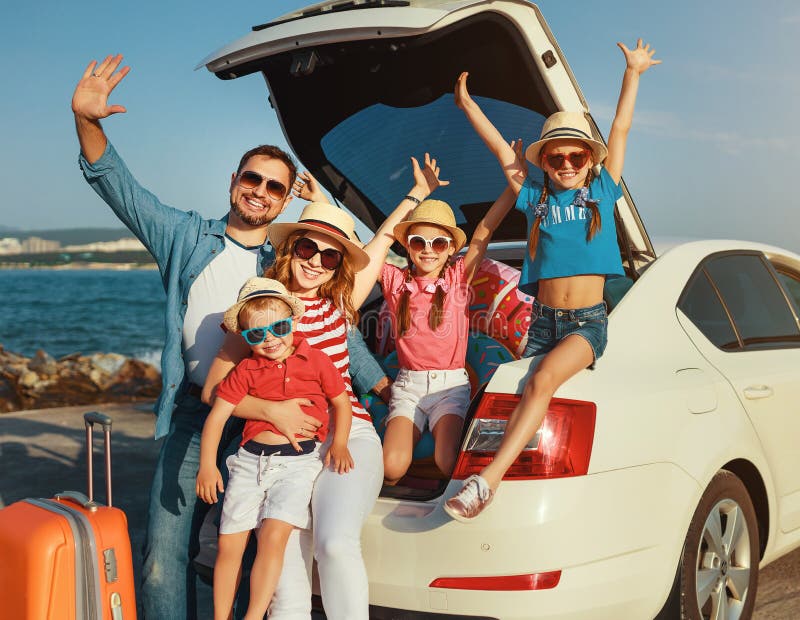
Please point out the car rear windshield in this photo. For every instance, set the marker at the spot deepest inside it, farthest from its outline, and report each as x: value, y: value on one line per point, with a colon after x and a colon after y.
x: 367, y: 148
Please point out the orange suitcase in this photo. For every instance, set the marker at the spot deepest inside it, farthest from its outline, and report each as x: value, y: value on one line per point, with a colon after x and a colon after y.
x: 67, y: 558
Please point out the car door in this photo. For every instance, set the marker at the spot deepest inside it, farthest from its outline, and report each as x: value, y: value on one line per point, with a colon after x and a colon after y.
x: 752, y: 336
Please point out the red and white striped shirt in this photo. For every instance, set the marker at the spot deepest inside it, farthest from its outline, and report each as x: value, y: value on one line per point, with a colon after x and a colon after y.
x: 325, y: 329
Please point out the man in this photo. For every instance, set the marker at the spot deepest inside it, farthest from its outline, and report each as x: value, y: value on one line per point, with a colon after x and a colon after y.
x: 202, y: 263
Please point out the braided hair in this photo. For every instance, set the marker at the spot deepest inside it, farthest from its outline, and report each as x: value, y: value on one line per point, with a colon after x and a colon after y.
x: 594, y: 224
x: 436, y: 314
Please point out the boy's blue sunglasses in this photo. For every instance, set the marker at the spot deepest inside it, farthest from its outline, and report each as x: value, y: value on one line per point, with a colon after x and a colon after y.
x: 257, y: 335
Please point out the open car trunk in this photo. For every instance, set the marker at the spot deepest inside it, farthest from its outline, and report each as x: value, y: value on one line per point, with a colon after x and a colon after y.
x: 359, y: 87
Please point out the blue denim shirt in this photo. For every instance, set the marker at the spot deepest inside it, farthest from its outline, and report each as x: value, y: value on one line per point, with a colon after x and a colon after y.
x: 182, y: 244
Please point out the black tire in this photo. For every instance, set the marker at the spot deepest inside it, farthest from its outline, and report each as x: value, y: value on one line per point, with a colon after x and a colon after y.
x: 719, y: 563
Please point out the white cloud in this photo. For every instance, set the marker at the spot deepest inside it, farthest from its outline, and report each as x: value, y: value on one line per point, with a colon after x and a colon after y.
x: 790, y: 19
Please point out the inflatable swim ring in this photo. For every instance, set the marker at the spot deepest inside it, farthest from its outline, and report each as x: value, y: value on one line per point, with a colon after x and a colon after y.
x: 498, y: 307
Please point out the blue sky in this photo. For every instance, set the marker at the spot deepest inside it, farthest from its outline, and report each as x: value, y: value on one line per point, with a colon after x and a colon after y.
x: 713, y: 151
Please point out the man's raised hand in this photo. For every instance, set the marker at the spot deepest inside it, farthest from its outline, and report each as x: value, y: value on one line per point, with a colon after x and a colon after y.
x: 90, y: 100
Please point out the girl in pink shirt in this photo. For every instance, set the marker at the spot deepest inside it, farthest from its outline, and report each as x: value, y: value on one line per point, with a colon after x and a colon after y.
x: 428, y: 304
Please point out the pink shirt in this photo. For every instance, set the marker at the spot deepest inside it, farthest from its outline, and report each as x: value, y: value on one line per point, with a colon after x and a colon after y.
x: 421, y: 348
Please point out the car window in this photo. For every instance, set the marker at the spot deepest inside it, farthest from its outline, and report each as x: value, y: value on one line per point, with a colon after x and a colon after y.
x: 791, y: 282
x: 702, y: 305
x: 759, y: 310
x: 366, y: 149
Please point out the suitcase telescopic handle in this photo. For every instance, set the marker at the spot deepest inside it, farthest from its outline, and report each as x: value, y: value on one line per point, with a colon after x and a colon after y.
x: 90, y: 419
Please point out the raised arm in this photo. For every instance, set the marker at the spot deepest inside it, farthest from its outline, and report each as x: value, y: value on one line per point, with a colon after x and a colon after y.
x: 638, y: 60
x: 488, y: 133
x: 484, y: 231
x: 426, y: 180
x: 90, y: 104
x: 489, y: 223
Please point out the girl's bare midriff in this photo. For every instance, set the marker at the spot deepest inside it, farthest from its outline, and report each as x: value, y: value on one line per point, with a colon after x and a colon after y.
x: 571, y: 292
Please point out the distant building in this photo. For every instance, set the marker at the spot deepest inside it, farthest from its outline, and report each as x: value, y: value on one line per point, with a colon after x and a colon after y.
x: 36, y: 245
x: 10, y: 245
x: 120, y: 245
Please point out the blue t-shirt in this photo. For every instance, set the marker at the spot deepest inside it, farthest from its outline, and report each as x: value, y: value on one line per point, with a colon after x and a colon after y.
x: 563, y: 250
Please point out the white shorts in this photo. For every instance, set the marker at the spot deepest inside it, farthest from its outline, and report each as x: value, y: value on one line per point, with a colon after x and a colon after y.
x: 421, y: 395
x: 268, y: 487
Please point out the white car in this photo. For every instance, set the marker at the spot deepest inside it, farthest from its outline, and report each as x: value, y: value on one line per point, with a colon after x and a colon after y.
x: 661, y: 481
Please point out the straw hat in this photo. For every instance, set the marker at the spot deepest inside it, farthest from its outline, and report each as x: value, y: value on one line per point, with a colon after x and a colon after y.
x: 261, y: 287
x: 434, y: 212
x: 566, y: 125
x: 329, y: 220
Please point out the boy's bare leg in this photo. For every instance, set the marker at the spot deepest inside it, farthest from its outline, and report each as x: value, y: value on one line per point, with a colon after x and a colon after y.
x: 446, y: 434
x: 228, y: 572
x: 272, y: 537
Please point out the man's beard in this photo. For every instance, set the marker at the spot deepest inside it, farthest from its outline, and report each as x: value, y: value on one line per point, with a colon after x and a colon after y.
x: 251, y: 220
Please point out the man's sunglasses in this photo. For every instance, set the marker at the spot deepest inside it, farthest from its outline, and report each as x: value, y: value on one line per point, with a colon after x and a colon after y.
x: 329, y: 258
x: 418, y: 243
x: 257, y: 335
x: 576, y: 158
x: 250, y: 180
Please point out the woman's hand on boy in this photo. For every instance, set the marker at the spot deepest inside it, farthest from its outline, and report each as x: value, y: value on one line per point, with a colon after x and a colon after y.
x: 306, y: 187
x: 640, y: 59
x: 209, y: 481
x: 339, y: 455
x: 426, y: 177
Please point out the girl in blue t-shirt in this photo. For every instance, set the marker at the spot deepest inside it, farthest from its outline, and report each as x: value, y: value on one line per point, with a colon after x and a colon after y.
x: 572, y: 249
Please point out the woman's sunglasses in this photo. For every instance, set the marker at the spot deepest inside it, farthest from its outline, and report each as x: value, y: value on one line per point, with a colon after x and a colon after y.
x: 250, y: 180
x: 418, y: 243
x: 576, y: 158
x: 257, y: 335
x: 329, y: 258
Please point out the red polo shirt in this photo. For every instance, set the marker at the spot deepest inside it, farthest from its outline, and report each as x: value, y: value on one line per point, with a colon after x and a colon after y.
x: 306, y: 373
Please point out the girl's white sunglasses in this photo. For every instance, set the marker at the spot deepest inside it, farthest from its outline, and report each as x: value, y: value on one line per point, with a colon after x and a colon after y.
x: 418, y: 243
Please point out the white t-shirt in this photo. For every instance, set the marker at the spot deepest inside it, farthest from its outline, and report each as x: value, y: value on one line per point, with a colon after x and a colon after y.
x: 215, y: 290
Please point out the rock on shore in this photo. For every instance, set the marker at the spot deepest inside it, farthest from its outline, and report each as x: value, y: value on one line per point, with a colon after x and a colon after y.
x: 42, y: 381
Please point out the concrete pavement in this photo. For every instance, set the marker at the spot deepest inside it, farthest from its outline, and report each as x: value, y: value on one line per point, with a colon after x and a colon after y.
x: 43, y: 452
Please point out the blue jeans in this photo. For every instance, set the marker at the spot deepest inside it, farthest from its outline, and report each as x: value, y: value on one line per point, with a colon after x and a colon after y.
x: 551, y: 325
x: 169, y: 581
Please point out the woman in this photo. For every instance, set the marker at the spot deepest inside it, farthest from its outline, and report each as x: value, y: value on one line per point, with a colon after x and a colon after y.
x: 318, y: 260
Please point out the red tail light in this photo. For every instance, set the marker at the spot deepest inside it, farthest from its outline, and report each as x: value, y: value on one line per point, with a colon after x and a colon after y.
x: 533, y: 581
x: 561, y: 447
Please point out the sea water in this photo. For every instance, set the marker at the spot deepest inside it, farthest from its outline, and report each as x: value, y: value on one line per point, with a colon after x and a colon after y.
x: 82, y: 311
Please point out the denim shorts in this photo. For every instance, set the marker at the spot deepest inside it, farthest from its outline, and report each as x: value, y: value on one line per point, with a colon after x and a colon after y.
x: 549, y: 326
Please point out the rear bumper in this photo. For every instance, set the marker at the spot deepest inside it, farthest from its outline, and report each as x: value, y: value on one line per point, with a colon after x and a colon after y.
x: 616, y: 537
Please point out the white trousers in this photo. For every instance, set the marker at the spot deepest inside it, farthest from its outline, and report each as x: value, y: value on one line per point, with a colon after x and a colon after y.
x: 340, y: 505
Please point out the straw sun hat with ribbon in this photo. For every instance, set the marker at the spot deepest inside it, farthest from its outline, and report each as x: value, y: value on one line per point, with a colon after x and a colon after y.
x: 434, y: 212
x: 329, y: 220
x: 569, y: 126
x: 261, y: 287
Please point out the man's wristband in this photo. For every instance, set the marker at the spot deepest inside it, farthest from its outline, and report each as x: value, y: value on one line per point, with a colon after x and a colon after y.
x: 412, y: 199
